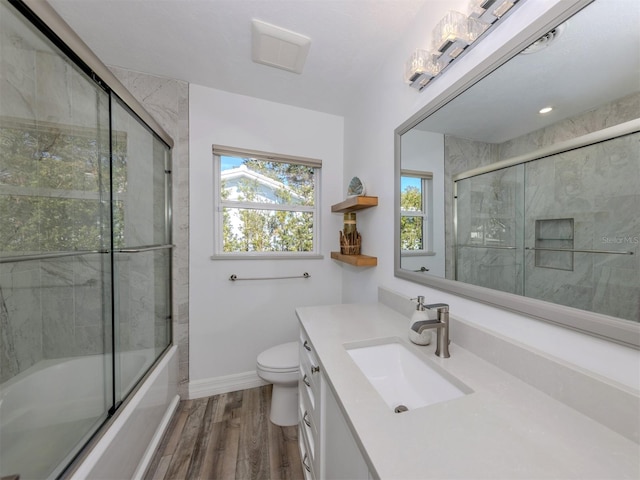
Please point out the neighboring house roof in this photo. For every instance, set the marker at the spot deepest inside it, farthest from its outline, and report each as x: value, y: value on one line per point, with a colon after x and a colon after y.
x: 267, y: 187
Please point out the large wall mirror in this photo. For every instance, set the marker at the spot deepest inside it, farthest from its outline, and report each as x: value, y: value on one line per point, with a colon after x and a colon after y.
x: 535, y: 212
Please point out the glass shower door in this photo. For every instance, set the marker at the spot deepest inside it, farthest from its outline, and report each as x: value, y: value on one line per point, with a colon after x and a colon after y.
x: 489, y: 243
x: 55, y: 272
x: 141, y: 245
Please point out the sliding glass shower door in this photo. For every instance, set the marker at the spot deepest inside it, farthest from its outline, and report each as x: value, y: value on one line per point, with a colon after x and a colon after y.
x: 85, y: 252
x: 55, y: 270
x: 141, y: 173
x: 563, y: 228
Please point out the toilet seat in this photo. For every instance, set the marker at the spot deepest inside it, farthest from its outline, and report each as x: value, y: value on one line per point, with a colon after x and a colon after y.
x: 279, y: 359
x: 279, y: 366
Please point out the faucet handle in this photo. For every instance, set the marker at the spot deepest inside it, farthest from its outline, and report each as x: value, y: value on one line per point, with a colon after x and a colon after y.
x: 444, y: 307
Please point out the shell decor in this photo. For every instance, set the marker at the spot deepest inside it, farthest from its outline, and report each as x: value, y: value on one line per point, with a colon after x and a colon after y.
x: 356, y: 187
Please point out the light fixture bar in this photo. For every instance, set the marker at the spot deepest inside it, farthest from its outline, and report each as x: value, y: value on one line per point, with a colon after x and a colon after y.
x: 489, y: 11
x: 451, y: 37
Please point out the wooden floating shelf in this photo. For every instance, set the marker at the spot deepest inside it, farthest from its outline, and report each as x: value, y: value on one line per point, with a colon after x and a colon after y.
x: 356, y: 260
x: 354, y: 203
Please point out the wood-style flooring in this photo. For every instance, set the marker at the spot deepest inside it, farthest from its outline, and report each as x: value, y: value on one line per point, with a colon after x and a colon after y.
x: 227, y: 436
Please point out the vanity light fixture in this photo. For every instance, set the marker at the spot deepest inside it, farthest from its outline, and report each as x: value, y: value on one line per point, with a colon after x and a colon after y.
x: 489, y: 11
x: 545, y: 110
x: 454, y: 33
x: 451, y: 36
x: 421, y: 68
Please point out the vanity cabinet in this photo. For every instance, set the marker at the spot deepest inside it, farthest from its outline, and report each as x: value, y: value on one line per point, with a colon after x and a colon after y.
x: 327, y: 446
x: 310, y: 404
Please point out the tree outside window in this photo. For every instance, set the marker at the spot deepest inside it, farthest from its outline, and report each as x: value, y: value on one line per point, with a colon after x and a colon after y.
x: 413, y: 211
x: 266, y: 206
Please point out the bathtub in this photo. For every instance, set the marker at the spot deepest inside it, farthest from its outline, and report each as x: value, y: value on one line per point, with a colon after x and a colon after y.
x: 43, y: 409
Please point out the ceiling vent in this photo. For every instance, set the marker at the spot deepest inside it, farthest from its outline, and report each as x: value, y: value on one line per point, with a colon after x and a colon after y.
x: 279, y: 48
x: 544, y: 41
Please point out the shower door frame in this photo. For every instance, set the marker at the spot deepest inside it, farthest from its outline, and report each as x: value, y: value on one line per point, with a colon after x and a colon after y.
x: 44, y: 18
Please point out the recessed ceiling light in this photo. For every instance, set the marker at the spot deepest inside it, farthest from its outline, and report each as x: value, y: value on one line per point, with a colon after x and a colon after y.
x: 279, y: 48
x: 545, y: 110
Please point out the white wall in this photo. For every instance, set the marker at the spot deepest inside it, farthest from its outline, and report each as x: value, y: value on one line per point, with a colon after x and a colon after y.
x: 232, y: 322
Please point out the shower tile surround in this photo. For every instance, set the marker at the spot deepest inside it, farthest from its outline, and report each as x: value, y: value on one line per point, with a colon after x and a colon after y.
x: 583, y: 178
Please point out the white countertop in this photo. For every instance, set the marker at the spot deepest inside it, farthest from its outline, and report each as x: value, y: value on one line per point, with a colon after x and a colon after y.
x: 504, y: 429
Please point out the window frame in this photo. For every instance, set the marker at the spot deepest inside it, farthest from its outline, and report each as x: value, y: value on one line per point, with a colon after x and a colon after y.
x: 426, y: 213
x: 219, y: 204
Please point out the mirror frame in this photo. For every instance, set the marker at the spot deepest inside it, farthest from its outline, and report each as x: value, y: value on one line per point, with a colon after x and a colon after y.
x: 610, y: 328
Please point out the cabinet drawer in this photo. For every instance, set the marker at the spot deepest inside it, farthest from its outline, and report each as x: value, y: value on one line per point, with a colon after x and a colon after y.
x: 309, y: 368
x: 310, y: 403
x: 307, y: 466
x: 308, y: 431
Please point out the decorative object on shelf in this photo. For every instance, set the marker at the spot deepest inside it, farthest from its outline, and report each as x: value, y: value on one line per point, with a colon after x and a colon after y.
x: 350, y: 243
x: 349, y: 223
x: 350, y: 240
x: 356, y: 187
x: 349, y: 237
x: 451, y: 36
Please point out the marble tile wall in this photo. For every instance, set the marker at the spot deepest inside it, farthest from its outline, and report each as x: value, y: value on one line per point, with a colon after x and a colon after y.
x: 20, y: 319
x: 597, y: 187
x: 74, y: 308
x: 614, y: 113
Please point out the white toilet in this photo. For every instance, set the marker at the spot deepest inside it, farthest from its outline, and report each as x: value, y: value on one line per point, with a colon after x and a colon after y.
x: 279, y: 365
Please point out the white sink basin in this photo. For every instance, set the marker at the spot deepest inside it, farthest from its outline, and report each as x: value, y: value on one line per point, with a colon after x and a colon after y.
x: 403, y: 379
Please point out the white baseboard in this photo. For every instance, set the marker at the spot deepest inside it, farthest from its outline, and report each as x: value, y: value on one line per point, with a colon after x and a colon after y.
x: 228, y: 383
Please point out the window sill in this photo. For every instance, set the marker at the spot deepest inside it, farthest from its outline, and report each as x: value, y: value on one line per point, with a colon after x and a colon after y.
x: 273, y: 256
x: 418, y: 253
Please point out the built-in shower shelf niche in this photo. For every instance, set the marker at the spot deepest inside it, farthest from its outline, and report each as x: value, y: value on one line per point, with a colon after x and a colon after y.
x: 555, y: 234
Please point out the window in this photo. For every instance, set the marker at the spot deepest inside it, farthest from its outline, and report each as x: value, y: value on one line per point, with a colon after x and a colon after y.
x: 265, y: 204
x: 415, y: 192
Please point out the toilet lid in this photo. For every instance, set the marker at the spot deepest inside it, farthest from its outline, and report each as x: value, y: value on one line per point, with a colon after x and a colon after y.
x: 280, y: 358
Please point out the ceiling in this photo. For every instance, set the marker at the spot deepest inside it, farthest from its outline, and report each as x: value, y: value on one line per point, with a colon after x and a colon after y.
x: 208, y: 42
x: 596, y: 59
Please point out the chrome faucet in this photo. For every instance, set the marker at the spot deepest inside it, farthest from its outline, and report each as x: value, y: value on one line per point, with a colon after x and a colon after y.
x: 441, y: 325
